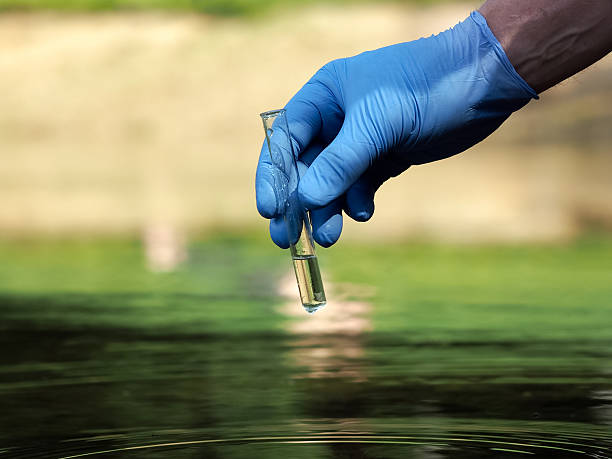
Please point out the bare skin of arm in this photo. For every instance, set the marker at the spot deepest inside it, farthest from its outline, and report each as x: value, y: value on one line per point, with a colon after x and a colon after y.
x: 548, y: 41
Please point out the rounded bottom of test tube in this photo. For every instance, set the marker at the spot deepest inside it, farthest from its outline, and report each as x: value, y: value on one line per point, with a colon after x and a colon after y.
x: 311, y: 308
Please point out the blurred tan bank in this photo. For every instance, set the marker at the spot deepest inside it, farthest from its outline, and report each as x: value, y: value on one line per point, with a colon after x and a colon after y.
x: 119, y: 123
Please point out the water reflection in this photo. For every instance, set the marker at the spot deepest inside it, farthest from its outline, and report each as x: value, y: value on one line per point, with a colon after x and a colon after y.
x: 222, y: 373
x: 164, y: 247
x: 417, y: 441
x: 602, y: 411
x: 328, y: 344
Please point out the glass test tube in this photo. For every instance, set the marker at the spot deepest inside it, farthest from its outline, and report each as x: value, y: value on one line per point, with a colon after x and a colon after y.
x: 297, y: 221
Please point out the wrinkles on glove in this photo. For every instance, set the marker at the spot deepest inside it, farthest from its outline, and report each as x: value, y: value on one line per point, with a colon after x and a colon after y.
x: 362, y: 120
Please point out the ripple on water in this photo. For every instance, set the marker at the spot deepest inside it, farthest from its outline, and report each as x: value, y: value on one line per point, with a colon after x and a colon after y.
x: 429, y: 441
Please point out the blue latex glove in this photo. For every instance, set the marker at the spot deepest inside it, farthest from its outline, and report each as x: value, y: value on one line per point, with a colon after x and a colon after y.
x: 362, y: 120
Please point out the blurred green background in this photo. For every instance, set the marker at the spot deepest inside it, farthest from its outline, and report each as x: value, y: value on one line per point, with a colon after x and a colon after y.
x: 141, y: 299
x: 137, y: 122
x: 214, y: 7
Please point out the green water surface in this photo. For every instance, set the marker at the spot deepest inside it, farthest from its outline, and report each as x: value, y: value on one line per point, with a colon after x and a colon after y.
x: 435, y: 351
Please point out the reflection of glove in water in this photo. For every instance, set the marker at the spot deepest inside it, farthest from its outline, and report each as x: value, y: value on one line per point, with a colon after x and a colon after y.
x: 364, y: 119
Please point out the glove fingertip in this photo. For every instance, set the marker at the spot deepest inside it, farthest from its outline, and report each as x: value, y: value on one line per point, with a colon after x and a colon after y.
x: 359, y: 204
x: 278, y: 233
x: 362, y: 215
x: 329, y: 232
x: 266, y: 200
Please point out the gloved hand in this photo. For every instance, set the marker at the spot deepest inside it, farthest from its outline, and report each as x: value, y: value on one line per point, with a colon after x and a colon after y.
x: 362, y: 120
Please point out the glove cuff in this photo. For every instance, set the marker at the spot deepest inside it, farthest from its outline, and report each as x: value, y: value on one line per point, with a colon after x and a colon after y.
x: 481, y: 23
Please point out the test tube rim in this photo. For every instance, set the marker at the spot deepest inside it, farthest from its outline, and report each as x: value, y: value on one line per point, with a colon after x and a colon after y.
x: 272, y: 113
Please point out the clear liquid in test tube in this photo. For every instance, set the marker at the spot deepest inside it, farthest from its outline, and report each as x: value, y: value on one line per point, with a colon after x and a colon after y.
x: 297, y: 221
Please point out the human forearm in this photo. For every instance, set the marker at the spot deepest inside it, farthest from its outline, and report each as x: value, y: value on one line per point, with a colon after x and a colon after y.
x: 548, y: 41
